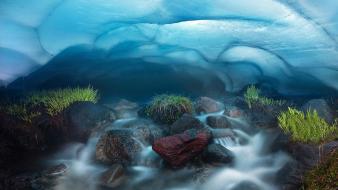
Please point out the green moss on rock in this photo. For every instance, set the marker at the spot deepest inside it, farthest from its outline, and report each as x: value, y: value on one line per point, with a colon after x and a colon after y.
x: 58, y: 100
x: 167, y: 109
x: 253, y: 98
x: 51, y: 101
x: 325, y: 175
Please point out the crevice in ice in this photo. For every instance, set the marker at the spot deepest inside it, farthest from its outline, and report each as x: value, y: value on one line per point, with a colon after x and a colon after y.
x: 39, y: 41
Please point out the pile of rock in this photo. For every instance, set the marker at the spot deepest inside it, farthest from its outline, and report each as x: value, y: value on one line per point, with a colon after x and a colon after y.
x: 178, y: 144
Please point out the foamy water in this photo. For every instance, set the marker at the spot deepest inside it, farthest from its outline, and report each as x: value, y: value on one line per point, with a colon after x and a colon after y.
x: 252, y: 163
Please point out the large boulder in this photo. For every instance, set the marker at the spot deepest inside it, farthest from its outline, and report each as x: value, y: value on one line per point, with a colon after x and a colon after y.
x: 118, y: 147
x: 112, y: 177
x: 179, y: 149
x: 144, y: 130
x: 322, y: 108
x: 20, y: 138
x: 305, y: 157
x: 207, y: 105
x: 84, y: 116
x: 309, y: 155
x: 166, y: 109
x: 237, y: 101
x: 186, y: 122
x: 217, y: 154
x: 264, y: 121
x: 264, y: 116
x: 218, y: 122
x: 19, y: 135
x: 76, y: 122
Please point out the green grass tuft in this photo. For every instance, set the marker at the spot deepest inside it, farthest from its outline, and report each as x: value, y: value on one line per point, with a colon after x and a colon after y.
x: 56, y: 101
x: 307, y: 128
x: 252, y: 97
x: 168, y: 108
x: 53, y: 101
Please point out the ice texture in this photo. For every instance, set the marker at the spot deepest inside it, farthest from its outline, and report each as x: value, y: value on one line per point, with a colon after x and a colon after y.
x: 291, y: 45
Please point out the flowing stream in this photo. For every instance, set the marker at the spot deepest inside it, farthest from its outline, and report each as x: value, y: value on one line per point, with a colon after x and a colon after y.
x: 254, y: 165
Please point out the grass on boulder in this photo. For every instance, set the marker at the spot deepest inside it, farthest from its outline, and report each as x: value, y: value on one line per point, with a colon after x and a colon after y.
x: 167, y: 109
x: 325, y: 175
x: 306, y: 127
x: 54, y: 101
x: 253, y: 97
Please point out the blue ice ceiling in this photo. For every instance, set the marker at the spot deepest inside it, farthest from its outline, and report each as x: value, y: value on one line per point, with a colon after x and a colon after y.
x: 291, y: 43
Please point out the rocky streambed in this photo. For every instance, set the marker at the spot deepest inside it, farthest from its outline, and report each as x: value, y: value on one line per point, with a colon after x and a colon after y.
x: 223, y: 145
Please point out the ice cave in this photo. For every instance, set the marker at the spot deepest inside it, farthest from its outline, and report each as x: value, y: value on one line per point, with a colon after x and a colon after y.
x: 169, y: 94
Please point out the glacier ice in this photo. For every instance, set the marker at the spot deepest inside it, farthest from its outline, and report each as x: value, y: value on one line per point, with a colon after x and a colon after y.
x: 291, y: 45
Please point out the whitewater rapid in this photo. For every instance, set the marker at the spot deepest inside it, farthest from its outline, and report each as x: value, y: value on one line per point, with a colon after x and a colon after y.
x: 253, y: 163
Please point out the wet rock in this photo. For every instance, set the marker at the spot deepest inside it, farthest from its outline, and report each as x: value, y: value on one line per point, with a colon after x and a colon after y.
x: 218, y: 122
x: 217, y: 154
x: 207, y: 105
x: 322, y: 108
x: 77, y: 122
x: 18, y: 135
x: 144, y: 130
x: 309, y: 155
x: 184, y: 123
x: 203, y: 173
x: 290, y: 177
x: 279, y: 140
x: 237, y: 101
x: 179, y: 149
x: 144, y: 134
x: 45, y: 132
x: 248, y: 185
x: 84, y: 116
x: 305, y: 157
x: 125, y: 109
x: 48, y: 179
x: 264, y: 117
x: 118, y: 147
x: 219, y: 133
x: 233, y: 111
x: 112, y: 177
x: 56, y: 170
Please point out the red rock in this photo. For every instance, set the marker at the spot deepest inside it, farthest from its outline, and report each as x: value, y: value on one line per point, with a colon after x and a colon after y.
x: 179, y: 149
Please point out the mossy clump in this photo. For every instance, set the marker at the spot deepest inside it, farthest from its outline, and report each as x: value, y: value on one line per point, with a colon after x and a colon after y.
x: 52, y: 101
x: 167, y: 109
x: 325, y: 175
x: 306, y: 127
x: 57, y: 100
x: 253, y: 97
